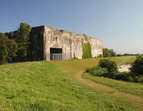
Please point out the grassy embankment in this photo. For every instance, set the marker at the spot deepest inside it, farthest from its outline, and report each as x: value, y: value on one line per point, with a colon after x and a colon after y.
x: 125, y: 91
x: 49, y: 86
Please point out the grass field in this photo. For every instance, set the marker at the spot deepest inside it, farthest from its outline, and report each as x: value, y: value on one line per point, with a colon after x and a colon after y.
x: 51, y: 86
x: 82, y: 65
x: 127, y: 87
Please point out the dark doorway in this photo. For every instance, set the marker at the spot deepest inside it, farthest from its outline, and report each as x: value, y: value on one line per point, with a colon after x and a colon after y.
x: 55, y: 53
x: 56, y: 50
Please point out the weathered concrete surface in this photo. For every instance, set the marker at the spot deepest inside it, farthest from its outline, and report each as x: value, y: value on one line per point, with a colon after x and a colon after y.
x: 70, y: 43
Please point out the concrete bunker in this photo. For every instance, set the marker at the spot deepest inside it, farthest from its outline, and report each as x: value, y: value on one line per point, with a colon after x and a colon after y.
x: 49, y: 44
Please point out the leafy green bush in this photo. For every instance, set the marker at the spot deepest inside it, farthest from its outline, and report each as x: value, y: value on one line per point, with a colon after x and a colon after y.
x: 75, y: 57
x: 118, y: 55
x: 110, y: 65
x: 137, y: 67
x: 108, y: 68
x: 138, y: 78
x: 125, y: 76
x: 97, y: 71
x: 99, y: 56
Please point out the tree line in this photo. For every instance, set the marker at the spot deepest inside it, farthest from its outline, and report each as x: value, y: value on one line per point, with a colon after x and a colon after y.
x: 16, y: 48
x: 111, y: 53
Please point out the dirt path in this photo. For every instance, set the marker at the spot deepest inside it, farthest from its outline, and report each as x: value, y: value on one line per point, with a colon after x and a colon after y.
x: 133, y: 99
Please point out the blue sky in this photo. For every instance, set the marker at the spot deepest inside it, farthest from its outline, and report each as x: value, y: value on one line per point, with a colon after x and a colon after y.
x: 119, y: 23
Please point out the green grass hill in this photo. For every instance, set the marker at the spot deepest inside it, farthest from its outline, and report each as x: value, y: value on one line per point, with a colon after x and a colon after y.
x: 60, y: 86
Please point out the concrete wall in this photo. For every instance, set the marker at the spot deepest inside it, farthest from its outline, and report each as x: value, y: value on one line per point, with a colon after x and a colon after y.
x: 70, y: 43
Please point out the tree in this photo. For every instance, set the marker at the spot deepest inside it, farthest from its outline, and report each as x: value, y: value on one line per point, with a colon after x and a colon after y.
x: 105, y: 52
x: 3, y: 49
x: 12, y: 49
x: 110, y: 65
x: 8, y: 49
x: 137, y: 67
x: 108, y: 52
x: 22, y: 37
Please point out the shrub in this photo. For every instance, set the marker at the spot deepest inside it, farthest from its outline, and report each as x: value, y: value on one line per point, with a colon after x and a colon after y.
x: 88, y: 70
x: 130, y: 78
x: 97, y: 71
x: 99, y: 56
x: 108, y: 68
x: 111, y: 66
x: 118, y: 55
x: 75, y: 57
x: 138, y: 78
x: 125, y: 76
x: 137, y: 67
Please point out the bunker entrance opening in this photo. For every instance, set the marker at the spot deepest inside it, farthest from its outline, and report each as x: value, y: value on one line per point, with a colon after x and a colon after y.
x: 55, y: 53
